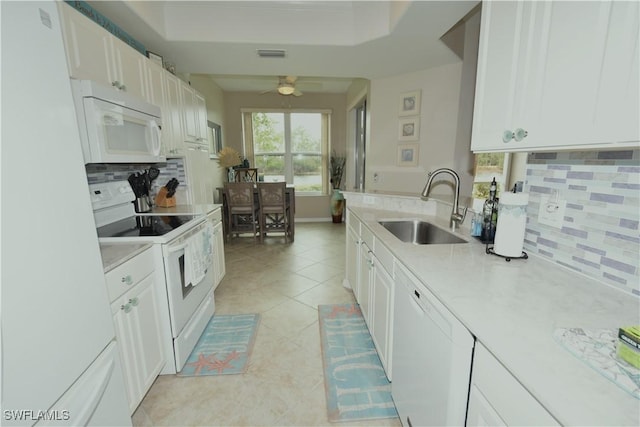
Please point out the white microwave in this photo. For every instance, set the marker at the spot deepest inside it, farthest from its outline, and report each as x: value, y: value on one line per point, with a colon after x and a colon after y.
x: 116, y: 127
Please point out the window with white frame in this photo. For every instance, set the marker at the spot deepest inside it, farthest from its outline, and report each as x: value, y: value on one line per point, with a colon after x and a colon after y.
x: 290, y: 146
x: 489, y: 166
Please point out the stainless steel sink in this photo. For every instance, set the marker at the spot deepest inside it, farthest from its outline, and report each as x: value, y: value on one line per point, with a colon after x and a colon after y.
x: 420, y: 232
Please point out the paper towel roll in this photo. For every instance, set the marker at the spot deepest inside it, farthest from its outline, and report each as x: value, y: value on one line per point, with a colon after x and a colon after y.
x: 512, y: 221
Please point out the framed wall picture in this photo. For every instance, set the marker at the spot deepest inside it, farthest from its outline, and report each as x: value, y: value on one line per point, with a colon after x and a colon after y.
x: 214, y: 134
x: 410, y: 103
x: 408, y: 154
x: 154, y: 57
x: 409, y: 129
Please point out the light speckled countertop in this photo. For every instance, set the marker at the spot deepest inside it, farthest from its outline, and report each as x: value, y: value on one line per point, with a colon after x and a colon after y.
x: 514, y: 307
x: 114, y: 254
x: 186, y: 209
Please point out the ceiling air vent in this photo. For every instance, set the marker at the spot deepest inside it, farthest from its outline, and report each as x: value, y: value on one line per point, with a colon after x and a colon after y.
x: 272, y: 53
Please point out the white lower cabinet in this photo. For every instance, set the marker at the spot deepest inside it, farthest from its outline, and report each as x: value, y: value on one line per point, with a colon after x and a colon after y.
x: 382, y: 308
x: 137, y: 325
x: 352, y: 252
x: 373, y: 290
x: 497, y: 398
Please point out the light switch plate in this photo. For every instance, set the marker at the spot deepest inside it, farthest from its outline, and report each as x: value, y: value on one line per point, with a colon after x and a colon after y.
x: 551, y: 211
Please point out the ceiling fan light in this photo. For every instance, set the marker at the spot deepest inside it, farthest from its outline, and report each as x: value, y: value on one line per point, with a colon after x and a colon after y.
x: 286, y: 89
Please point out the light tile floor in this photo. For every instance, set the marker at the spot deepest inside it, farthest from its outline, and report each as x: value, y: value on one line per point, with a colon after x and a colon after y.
x: 284, y: 384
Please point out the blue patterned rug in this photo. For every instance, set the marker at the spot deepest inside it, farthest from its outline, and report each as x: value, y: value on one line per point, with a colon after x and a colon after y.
x: 224, y: 347
x: 356, y: 385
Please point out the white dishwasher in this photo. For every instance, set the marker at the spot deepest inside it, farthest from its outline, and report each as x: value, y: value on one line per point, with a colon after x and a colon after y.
x: 432, y: 355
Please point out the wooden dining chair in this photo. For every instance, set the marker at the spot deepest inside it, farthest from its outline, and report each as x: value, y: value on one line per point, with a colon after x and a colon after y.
x: 242, y: 210
x: 274, y: 211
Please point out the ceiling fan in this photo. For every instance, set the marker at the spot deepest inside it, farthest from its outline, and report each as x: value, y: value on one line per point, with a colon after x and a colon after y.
x: 286, y: 86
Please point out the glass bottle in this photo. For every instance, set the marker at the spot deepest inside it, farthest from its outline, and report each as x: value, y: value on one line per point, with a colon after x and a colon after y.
x: 490, y: 214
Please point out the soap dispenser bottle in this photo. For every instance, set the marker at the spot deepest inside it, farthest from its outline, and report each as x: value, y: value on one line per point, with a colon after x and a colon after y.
x: 490, y: 214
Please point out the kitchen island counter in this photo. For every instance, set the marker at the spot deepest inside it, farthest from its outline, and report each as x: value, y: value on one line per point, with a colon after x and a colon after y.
x: 513, y: 309
x: 114, y: 254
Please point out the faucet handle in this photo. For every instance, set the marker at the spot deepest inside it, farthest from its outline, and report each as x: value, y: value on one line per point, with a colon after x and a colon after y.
x: 458, y: 217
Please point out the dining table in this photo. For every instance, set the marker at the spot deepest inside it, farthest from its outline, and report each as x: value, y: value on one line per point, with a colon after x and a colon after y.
x: 290, y: 198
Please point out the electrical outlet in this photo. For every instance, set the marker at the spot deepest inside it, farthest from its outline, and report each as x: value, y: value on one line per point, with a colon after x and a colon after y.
x: 376, y: 177
x: 551, y: 211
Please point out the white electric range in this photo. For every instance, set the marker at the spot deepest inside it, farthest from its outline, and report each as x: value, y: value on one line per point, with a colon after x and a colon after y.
x: 183, y: 248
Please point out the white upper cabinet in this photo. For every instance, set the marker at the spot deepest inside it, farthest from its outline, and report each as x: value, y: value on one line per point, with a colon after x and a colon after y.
x: 557, y: 75
x: 95, y: 54
x: 88, y: 46
x: 172, y: 139
x: 194, y: 119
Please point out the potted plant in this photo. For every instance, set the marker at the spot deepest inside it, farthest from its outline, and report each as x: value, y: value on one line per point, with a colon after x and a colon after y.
x: 228, y: 158
x: 336, y: 166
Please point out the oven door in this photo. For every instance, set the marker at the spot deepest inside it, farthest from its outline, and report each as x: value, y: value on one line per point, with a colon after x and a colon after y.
x: 189, y: 270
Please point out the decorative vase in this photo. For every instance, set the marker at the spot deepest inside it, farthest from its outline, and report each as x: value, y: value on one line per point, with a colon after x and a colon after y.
x: 231, y: 175
x: 337, y: 205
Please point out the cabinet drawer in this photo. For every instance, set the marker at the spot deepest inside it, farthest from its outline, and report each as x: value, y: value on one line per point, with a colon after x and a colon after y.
x: 510, y: 400
x: 384, y: 257
x: 215, y: 216
x: 126, y: 275
x: 368, y: 237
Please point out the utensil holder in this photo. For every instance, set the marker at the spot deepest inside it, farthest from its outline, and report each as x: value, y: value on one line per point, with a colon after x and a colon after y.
x: 163, y: 201
x: 142, y: 204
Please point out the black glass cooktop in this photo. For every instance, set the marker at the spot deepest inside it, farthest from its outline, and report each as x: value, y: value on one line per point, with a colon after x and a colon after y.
x: 152, y: 225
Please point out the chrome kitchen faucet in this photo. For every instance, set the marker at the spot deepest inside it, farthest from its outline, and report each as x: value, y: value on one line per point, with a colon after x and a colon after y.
x: 456, y: 217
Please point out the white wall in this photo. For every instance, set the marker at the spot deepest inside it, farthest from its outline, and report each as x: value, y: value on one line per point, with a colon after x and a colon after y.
x: 440, y: 88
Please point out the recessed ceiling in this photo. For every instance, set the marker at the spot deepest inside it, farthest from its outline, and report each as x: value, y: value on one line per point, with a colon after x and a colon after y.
x: 335, y: 41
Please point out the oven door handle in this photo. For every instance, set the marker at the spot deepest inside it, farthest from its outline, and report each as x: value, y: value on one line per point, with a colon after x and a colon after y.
x: 177, y: 248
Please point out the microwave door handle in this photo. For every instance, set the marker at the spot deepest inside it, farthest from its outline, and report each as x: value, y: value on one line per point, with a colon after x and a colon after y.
x: 155, y: 137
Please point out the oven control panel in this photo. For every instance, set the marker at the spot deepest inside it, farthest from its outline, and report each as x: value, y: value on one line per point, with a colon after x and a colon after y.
x: 109, y: 194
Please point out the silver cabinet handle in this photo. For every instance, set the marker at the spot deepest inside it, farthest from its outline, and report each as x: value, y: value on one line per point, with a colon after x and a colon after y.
x: 127, y: 279
x: 507, y: 136
x: 126, y: 308
x: 134, y: 301
x: 520, y: 134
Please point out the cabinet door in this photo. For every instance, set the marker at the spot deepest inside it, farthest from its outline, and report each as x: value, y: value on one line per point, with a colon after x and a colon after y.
x: 189, y: 113
x: 129, y: 66
x: 128, y: 348
x: 501, y: 73
x: 538, y: 88
x: 155, y: 88
x: 583, y: 91
x: 352, y: 258
x: 364, y: 282
x: 382, y: 323
x: 201, y: 125
x: 147, y: 321
x: 87, y: 45
x: 137, y: 324
x: 174, y: 141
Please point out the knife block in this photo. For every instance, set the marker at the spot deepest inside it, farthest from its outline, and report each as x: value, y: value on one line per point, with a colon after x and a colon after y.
x: 163, y: 201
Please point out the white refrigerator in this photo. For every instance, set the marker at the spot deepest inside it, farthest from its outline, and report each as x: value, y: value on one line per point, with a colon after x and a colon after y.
x: 59, y: 357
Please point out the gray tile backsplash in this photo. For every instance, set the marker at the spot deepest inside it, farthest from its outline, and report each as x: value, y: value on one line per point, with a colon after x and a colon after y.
x: 600, y: 234
x: 173, y: 168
